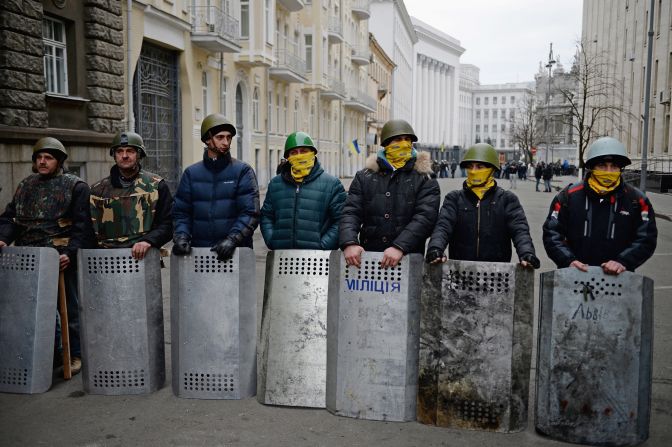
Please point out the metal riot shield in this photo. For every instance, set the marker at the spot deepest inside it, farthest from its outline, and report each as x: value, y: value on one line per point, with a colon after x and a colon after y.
x: 594, y: 357
x: 29, y: 281
x: 292, y: 366
x: 121, y: 322
x: 475, y: 345
x: 372, y: 337
x: 213, y: 325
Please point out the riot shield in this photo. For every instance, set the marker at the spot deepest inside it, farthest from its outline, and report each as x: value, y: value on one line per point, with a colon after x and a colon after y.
x: 121, y: 322
x: 594, y: 357
x: 372, y: 337
x: 292, y: 366
x: 29, y: 281
x: 213, y: 325
x: 475, y: 345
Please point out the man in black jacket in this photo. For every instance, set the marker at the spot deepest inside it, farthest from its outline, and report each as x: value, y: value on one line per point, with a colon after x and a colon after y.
x: 392, y: 204
x: 602, y: 221
x: 132, y: 207
x: 480, y: 221
x: 51, y: 209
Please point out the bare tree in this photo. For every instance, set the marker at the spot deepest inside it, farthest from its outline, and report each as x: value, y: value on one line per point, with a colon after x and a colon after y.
x: 592, y: 97
x: 523, y: 127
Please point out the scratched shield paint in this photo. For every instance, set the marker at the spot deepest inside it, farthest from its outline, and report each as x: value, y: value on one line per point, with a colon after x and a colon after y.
x: 475, y: 346
x: 292, y: 364
x: 594, y: 357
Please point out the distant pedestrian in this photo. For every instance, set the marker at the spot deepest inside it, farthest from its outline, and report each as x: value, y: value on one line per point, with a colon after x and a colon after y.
x: 547, y: 175
x: 538, y: 170
x: 513, y: 175
x: 453, y: 168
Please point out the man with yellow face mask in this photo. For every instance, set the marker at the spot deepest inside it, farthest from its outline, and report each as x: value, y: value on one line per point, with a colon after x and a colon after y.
x: 393, y: 203
x: 303, y: 204
x: 479, y: 221
x: 602, y: 221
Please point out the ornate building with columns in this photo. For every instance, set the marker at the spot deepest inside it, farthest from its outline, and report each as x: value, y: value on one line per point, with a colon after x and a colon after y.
x: 436, y: 89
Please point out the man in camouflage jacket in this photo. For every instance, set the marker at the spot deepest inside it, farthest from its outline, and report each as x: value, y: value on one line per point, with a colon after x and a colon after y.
x: 132, y: 207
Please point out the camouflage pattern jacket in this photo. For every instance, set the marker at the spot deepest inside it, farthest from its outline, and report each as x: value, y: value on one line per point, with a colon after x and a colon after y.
x: 49, y: 212
x: 123, y: 216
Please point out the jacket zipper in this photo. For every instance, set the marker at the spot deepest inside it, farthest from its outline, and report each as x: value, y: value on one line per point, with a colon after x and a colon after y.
x: 478, y: 228
x: 296, y: 199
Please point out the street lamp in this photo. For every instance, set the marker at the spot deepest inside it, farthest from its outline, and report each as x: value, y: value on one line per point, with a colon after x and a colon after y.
x: 549, y: 65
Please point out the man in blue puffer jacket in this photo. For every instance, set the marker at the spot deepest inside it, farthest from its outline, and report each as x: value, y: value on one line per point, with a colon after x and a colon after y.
x: 303, y: 205
x: 217, y: 201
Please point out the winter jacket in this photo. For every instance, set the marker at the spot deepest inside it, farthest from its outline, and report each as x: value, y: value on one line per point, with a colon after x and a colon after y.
x: 58, y: 216
x: 538, y: 171
x: 386, y: 208
x: 217, y: 199
x: 482, y: 230
x: 593, y: 229
x: 547, y: 172
x: 302, y: 215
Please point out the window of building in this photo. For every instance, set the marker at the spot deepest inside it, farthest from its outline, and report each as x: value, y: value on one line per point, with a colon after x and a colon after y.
x: 296, y: 115
x: 486, y: 114
x: 478, y: 127
x: 503, y: 127
x: 513, y: 100
x: 485, y: 128
x: 486, y: 100
x: 478, y: 114
x: 55, y: 56
x: 494, y: 114
x: 270, y: 111
x: 512, y: 114
x: 255, y: 109
x: 503, y: 100
x: 277, y: 112
x: 244, y: 19
x: 501, y: 143
x: 268, y: 12
x: 309, y: 51
x: 204, y: 91
x: 222, y: 106
x: 494, y: 100
x: 478, y: 101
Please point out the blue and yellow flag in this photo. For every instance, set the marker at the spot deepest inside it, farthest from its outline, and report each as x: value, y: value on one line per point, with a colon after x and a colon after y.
x: 354, y: 147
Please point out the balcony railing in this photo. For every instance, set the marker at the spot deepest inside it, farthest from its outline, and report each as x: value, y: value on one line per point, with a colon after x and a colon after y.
x: 212, y: 20
x: 359, y: 99
x: 360, y: 55
x: 336, y: 86
x: 335, y: 29
x: 360, y: 8
x: 287, y: 59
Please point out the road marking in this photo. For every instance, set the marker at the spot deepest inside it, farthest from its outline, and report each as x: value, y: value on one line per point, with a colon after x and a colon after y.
x: 662, y: 254
x: 662, y: 288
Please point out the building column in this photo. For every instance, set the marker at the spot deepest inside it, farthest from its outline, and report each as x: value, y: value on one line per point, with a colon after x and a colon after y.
x: 425, y: 98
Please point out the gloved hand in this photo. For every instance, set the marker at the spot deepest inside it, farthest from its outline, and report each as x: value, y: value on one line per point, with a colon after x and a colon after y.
x: 433, y: 255
x: 181, y: 245
x: 224, y: 249
x: 532, y: 260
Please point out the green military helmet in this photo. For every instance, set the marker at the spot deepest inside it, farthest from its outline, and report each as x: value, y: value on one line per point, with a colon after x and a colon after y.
x: 395, y: 128
x: 606, y: 148
x: 51, y: 145
x: 298, y: 139
x: 482, y: 153
x: 213, y: 124
x: 128, y: 139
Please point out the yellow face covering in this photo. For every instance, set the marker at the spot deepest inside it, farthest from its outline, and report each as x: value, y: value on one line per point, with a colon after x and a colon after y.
x: 603, y: 182
x: 397, y: 154
x: 480, y: 180
x: 301, y: 164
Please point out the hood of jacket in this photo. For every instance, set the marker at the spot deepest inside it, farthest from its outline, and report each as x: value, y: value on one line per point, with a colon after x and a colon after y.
x: 423, y: 163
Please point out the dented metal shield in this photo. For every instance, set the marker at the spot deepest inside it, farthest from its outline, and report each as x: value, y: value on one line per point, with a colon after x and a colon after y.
x: 29, y: 280
x: 475, y: 345
x: 372, y: 338
x: 292, y: 367
x: 594, y: 357
x: 213, y: 325
x: 121, y: 322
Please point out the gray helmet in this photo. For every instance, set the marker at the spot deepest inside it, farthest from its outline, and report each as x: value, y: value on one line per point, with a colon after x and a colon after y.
x: 606, y: 149
x: 396, y: 128
x: 130, y: 139
x: 213, y: 124
x: 51, y: 145
x: 481, y: 153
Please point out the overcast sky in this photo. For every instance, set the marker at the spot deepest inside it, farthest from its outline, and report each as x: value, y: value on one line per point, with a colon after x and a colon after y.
x: 506, y: 39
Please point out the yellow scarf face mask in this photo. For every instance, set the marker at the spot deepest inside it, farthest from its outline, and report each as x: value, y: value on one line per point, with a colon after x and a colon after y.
x: 603, y: 182
x: 397, y: 154
x: 480, y: 180
x: 301, y: 165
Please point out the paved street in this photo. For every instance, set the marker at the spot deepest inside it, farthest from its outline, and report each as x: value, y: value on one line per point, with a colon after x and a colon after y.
x: 67, y: 416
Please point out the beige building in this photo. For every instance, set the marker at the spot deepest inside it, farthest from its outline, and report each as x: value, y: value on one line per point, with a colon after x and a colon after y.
x: 270, y: 66
x: 380, y: 75
x: 619, y: 28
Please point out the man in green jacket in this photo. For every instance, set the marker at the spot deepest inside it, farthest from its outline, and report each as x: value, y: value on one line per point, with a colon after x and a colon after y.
x: 303, y: 204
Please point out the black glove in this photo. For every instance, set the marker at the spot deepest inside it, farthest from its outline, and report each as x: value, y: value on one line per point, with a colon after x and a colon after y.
x: 532, y: 260
x: 224, y: 249
x: 433, y: 255
x: 181, y: 245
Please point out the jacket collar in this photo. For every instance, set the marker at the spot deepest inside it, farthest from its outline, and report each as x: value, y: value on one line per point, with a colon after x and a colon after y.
x: 217, y: 164
x: 422, y: 163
